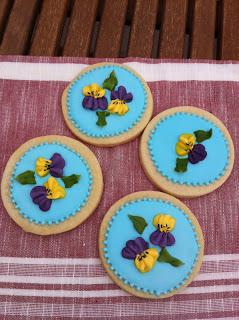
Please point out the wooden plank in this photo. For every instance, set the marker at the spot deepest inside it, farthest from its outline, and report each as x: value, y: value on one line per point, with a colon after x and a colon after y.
x: 203, y: 29
x: 49, y: 28
x: 80, y: 28
x: 19, y: 27
x: 143, y: 27
x: 172, y: 32
x: 229, y: 46
x: 5, y: 6
x: 111, y: 28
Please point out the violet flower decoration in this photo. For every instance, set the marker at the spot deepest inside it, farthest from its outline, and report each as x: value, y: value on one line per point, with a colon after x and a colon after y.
x: 162, y: 237
x: 198, y: 153
x: 94, y: 97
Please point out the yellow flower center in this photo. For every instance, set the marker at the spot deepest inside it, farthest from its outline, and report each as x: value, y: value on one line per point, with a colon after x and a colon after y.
x: 118, y: 106
x: 164, y: 222
x: 53, y: 189
x: 93, y: 90
x: 146, y: 260
x: 43, y: 166
x: 185, y: 144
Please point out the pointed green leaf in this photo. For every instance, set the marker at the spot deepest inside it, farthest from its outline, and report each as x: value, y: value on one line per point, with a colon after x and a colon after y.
x: 27, y: 177
x: 164, y: 256
x: 101, y: 122
x: 69, y: 181
x: 181, y: 164
x: 111, y: 82
x: 139, y: 223
x: 202, y: 135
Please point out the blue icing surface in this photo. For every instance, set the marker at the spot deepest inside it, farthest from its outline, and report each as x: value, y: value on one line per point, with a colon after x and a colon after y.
x: 162, y: 149
x: 85, y: 120
x: 163, y: 278
x: 61, y: 209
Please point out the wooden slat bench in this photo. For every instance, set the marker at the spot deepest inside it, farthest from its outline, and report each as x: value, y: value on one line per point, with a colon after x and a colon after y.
x: 200, y: 29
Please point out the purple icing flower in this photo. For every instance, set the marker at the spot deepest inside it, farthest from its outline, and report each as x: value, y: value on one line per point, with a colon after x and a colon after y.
x: 197, y: 154
x: 121, y: 94
x: 134, y: 247
x: 57, y: 165
x: 95, y: 103
x: 39, y: 196
x: 162, y: 239
x: 94, y: 97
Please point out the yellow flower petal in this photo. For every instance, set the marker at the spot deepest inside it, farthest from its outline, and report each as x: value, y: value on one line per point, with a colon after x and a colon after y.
x: 94, y: 90
x: 185, y: 144
x: 54, y: 190
x: 164, y: 222
x: 145, y: 261
x: 118, y: 106
x: 42, y: 167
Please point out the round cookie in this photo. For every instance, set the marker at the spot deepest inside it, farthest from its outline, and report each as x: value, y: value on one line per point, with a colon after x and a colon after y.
x: 51, y: 184
x: 186, y: 151
x: 107, y: 104
x: 151, y: 244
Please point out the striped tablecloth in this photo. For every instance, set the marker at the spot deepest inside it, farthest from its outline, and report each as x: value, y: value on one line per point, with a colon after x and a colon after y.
x: 60, y: 277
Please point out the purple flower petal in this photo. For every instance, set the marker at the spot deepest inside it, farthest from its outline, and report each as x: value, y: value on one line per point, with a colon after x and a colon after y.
x: 57, y: 165
x: 162, y: 239
x: 170, y: 239
x: 39, y: 196
x: 121, y: 92
x: 114, y: 95
x: 102, y: 103
x: 88, y: 102
x: 128, y: 97
x: 134, y: 247
x: 197, y: 154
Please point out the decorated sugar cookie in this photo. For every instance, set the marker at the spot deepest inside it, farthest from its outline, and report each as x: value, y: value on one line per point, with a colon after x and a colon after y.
x: 187, y: 151
x: 151, y: 244
x: 107, y: 104
x: 51, y: 184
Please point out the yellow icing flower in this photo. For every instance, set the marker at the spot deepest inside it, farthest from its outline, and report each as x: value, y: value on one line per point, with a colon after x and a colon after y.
x: 185, y: 144
x: 54, y: 190
x: 118, y: 106
x: 93, y: 90
x: 164, y: 222
x: 146, y: 260
x: 43, y: 166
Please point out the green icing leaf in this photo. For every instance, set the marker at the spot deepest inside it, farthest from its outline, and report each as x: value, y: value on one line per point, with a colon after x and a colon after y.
x: 139, y: 223
x: 101, y: 122
x: 181, y: 164
x: 164, y: 256
x: 27, y: 177
x: 69, y: 181
x: 202, y: 135
x: 111, y: 82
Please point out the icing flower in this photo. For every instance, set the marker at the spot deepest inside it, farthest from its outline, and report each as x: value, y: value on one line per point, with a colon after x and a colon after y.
x: 43, y: 195
x: 139, y: 251
x: 94, y: 97
x: 54, y: 166
x: 119, y: 98
x: 185, y: 144
x: 197, y: 154
x: 162, y: 236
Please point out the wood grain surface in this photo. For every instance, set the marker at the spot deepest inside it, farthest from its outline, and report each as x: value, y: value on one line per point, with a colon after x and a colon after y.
x: 198, y: 29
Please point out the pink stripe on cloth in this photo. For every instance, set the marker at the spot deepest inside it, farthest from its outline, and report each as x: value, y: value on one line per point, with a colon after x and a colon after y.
x: 72, y: 288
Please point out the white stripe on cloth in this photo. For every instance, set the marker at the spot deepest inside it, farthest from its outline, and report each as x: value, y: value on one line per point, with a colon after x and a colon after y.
x: 106, y: 293
x: 163, y: 71
x: 94, y: 261
x: 99, y: 280
x: 110, y: 310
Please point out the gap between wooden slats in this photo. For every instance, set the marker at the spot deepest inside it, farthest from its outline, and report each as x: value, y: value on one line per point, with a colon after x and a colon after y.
x: 19, y: 27
x: 46, y: 39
